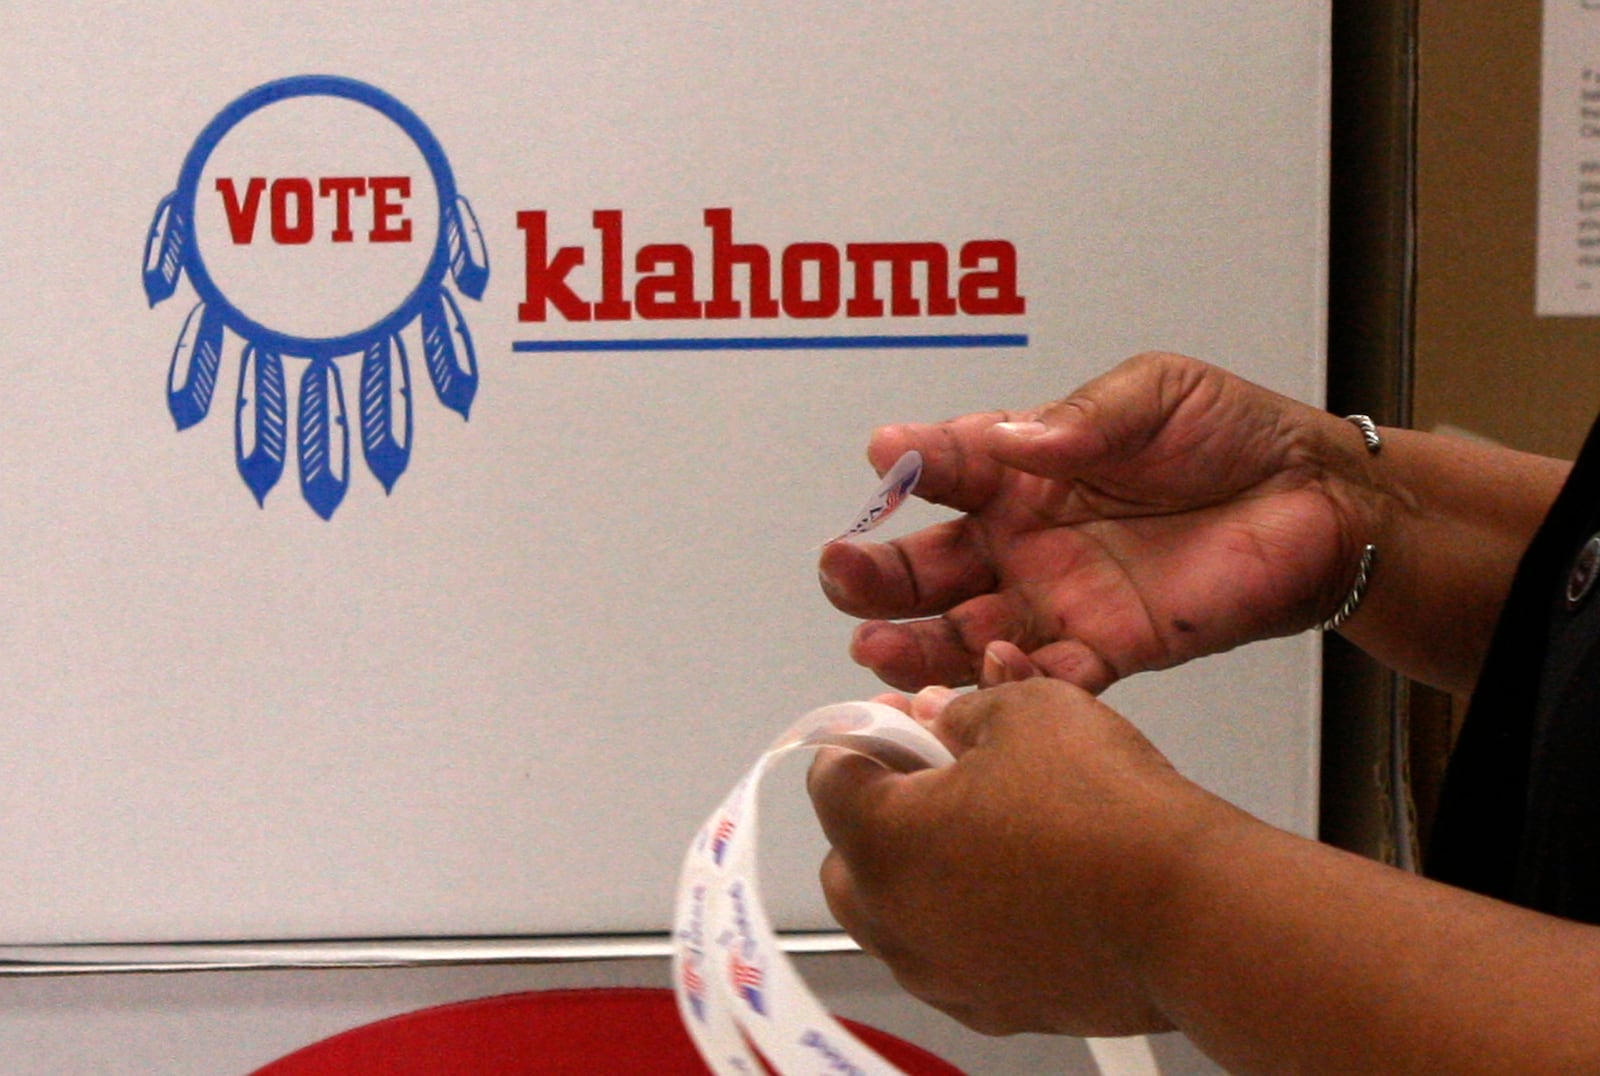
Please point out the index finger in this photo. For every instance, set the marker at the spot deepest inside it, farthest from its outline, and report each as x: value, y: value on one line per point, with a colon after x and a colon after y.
x: 957, y: 469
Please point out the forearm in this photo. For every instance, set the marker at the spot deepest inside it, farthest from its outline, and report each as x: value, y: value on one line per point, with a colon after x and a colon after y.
x: 1279, y: 955
x: 1450, y: 519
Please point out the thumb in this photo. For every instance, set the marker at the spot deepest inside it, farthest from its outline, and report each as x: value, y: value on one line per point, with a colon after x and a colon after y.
x: 847, y: 793
x: 1061, y: 440
x: 1107, y: 420
x: 852, y: 794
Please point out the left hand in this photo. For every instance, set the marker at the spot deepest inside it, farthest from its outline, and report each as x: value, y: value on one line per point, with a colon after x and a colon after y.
x: 1010, y: 889
x: 1164, y: 511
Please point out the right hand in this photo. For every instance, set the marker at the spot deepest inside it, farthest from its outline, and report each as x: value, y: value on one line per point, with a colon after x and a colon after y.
x: 1164, y: 511
x: 1014, y: 889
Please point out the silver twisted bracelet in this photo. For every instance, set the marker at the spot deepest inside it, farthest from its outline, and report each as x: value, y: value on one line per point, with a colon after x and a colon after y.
x: 1358, y: 590
x: 1369, y: 432
x: 1369, y: 552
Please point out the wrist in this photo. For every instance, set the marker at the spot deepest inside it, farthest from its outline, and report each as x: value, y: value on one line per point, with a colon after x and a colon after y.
x: 1351, y: 454
x: 1203, y: 939
x: 1169, y: 901
x: 1450, y: 518
x: 1357, y: 592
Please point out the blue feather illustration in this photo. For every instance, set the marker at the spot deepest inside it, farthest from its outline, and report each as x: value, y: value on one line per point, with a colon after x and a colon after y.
x: 192, y: 377
x: 385, y: 435
x: 324, y: 438
x: 163, y: 252
x: 260, y: 433
x: 447, y: 350
x: 469, y: 255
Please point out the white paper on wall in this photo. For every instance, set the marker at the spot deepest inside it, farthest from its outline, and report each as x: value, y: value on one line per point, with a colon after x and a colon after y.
x: 1568, y: 276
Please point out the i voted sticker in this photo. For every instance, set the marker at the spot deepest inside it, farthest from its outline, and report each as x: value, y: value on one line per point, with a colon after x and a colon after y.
x: 898, y: 483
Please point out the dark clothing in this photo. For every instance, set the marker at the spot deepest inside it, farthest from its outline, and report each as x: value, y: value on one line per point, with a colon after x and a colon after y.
x: 1519, y: 815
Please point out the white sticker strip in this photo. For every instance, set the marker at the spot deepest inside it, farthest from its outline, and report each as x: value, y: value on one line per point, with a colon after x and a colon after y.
x: 898, y: 483
x: 735, y: 986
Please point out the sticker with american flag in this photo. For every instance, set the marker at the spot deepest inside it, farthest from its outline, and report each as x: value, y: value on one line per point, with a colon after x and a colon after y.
x: 898, y: 483
x: 721, y: 835
x: 746, y: 978
x: 693, y: 987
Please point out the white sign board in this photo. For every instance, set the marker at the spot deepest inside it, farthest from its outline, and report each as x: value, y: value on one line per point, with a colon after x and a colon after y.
x: 420, y: 419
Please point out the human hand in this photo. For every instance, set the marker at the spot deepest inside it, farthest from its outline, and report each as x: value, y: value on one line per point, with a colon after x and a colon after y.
x: 1164, y: 511
x: 1012, y: 889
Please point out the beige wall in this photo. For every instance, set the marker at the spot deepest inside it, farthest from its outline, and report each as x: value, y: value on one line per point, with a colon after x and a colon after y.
x: 1483, y: 360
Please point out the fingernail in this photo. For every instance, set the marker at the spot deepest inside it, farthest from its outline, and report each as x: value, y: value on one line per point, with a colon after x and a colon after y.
x: 930, y: 702
x: 994, y: 670
x: 1023, y: 430
x: 827, y: 574
x: 825, y: 580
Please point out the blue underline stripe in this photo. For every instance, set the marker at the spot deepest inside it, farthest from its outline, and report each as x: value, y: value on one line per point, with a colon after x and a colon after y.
x: 777, y: 343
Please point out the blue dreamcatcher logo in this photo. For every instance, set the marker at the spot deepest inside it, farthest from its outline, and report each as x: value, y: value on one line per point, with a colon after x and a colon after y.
x: 318, y: 221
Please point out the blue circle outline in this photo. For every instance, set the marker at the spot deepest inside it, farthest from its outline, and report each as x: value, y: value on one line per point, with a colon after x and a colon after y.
x: 315, y: 86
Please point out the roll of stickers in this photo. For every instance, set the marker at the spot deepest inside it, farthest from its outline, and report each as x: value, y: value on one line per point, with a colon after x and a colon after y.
x: 735, y: 985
